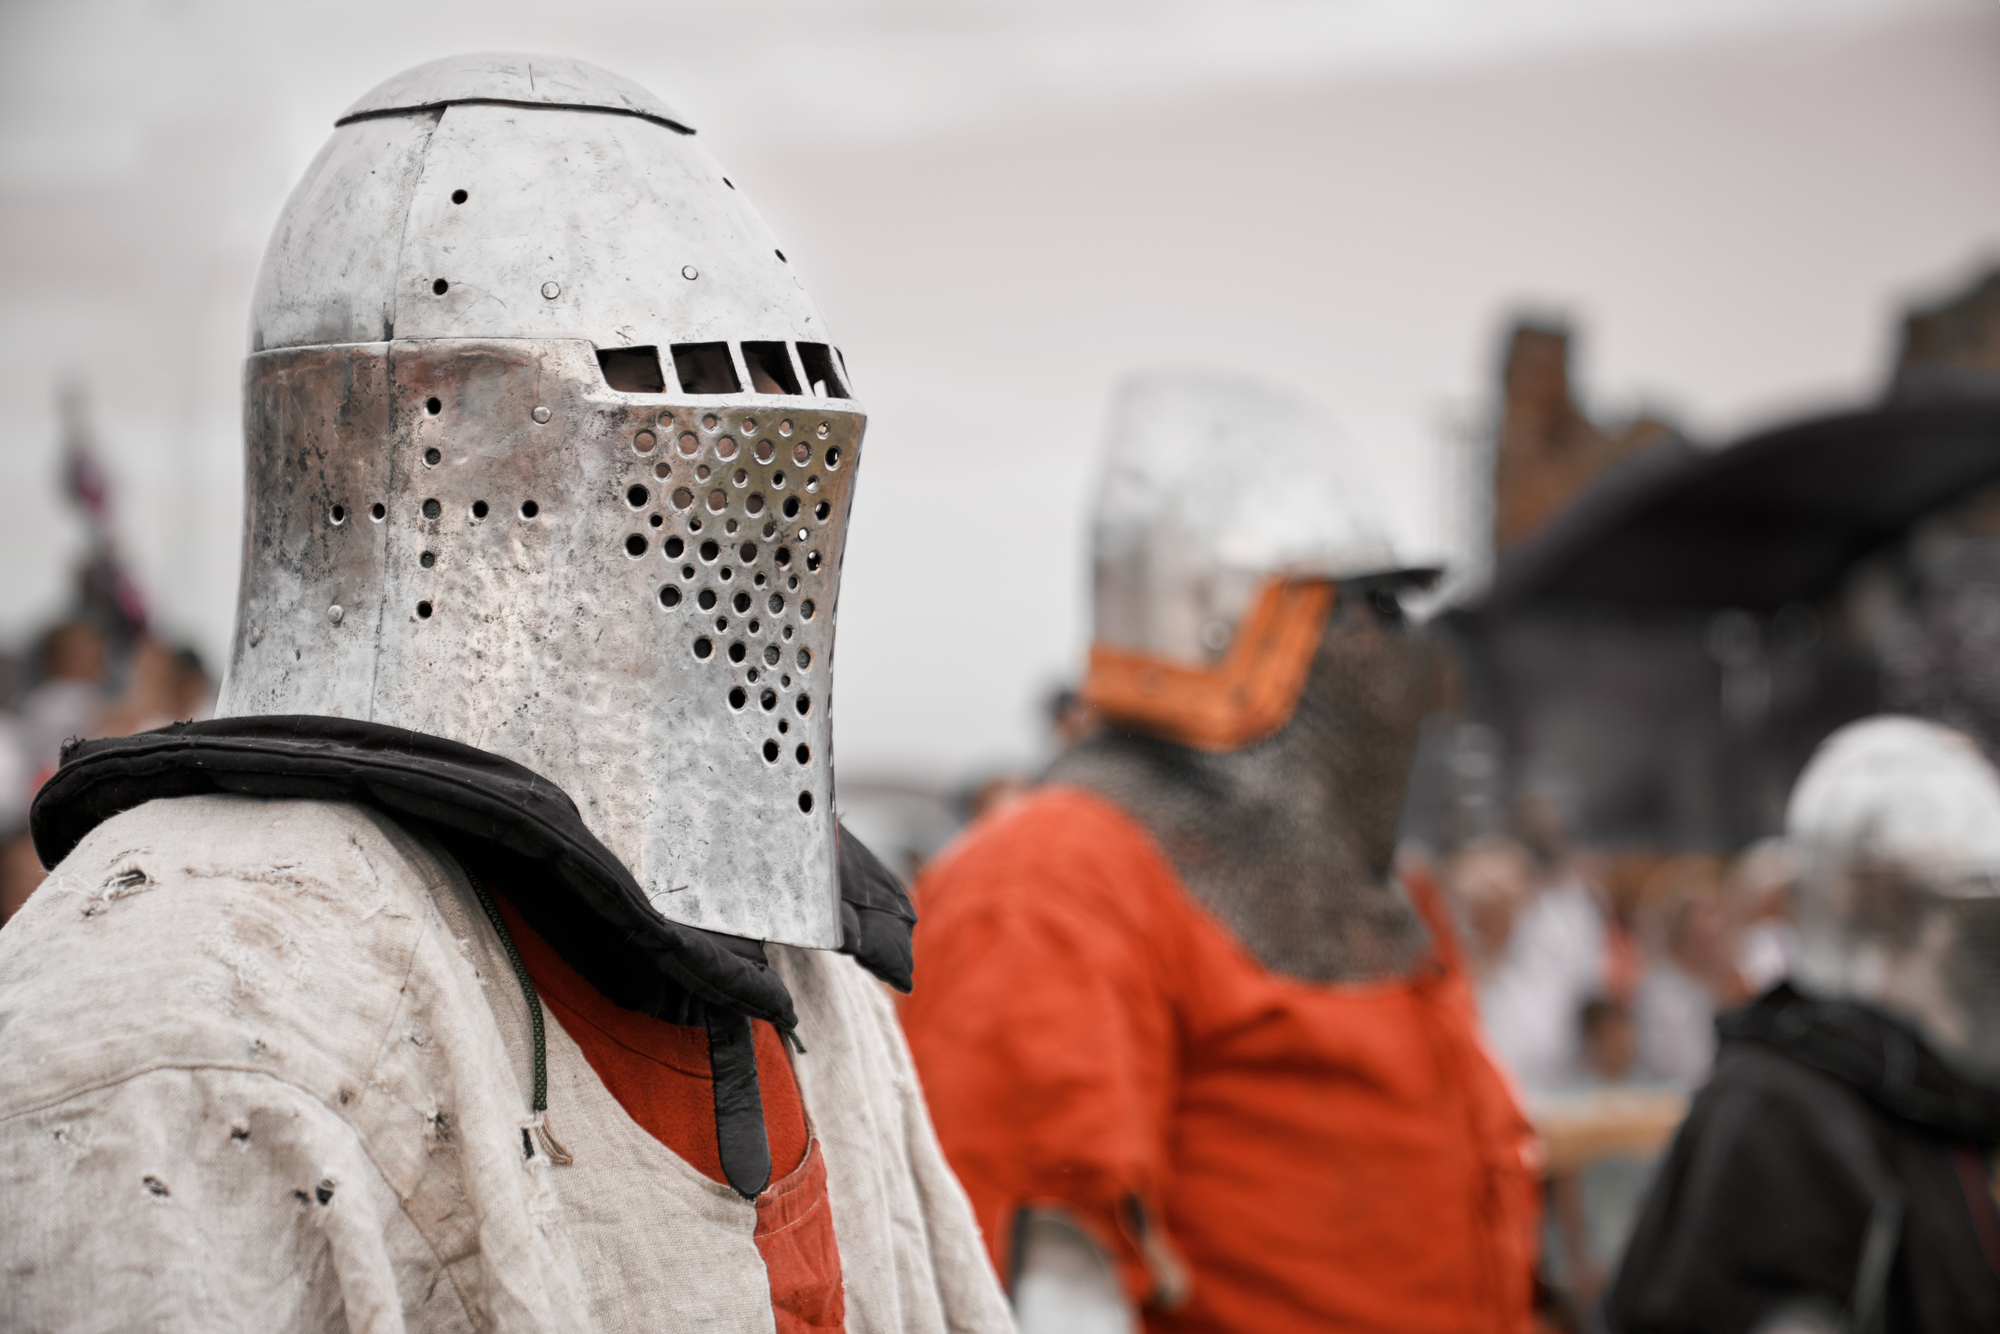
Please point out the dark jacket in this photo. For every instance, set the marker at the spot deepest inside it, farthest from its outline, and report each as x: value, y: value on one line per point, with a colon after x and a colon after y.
x: 1833, y: 1164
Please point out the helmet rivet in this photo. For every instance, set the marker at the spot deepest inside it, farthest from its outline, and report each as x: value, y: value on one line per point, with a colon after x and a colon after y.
x: 334, y: 613
x: 690, y: 273
x: 551, y: 291
x: 540, y: 414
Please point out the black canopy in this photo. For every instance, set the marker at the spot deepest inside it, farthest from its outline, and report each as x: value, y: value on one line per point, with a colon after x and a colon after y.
x: 1777, y: 518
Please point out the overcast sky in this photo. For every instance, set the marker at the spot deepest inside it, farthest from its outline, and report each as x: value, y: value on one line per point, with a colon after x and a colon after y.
x: 1003, y: 206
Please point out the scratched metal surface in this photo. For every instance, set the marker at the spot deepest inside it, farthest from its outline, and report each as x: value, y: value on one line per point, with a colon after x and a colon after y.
x: 545, y: 636
x: 455, y: 525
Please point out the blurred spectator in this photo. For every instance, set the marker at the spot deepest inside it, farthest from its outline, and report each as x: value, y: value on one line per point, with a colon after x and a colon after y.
x: 1759, y: 886
x: 163, y: 685
x: 1610, y: 1043
x: 1691, y: 976
x: 1537, y: 938
x: 68, y: 696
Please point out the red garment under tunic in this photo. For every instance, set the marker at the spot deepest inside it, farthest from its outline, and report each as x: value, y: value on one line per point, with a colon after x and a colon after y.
x: 1318, y: 1156
x: 659, y: 1073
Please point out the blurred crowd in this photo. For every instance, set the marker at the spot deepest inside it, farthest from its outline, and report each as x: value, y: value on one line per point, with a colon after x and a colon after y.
x: 81, y: 680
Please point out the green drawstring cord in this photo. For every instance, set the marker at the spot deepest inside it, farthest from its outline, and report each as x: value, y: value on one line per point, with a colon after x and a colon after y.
x: 550, y: 1145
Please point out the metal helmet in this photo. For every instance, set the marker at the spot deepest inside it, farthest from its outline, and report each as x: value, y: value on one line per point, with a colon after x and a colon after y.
x: 1226, y: 513
x: 550, y: 453
x: 1897, y: 823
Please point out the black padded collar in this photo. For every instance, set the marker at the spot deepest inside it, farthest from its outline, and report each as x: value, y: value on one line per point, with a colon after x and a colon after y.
x: 631, y: 954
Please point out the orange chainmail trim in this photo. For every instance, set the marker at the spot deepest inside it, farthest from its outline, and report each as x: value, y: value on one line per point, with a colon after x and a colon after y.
x: 1246, y: 697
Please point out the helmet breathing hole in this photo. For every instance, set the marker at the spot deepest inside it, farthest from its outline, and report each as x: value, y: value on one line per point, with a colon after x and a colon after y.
x: 440, y: 287
x: 636, y: 496
x: 770, y: 752
x: 803, y: 754
x: 688, y: 443
x: 771, y: 655
x: 378, y: 511
x: 709, y: 550
x: 764, y: 451
x: 655, y: 520
x: 703, y: 647
x: 635, y: 545
x: 478, y: 509
x: 806, y: 802
x: 673, y: 547
x: 802, y: 453
x: 791, y: 507
x: 812, y: 560
x: 428, y: 559
x: 644, y: 442
x: 806, y: 610
x: 682, y: 498
x: 434, y: 406
x: 805, y: 659
x: 784, y: 725
x: 755, y: 504
x: 737, y: 652
x: 706, y: 601
x: 687, y: 571
x: 432, y: 509
x: 716, y: 501
x: 423, y: 611
x: 433, y: 456
x: 660, y: 470
x: 769, y: 701
x: 749, y: 552
x: 832, y: 457
x: 670, y: 596
x: 804, y: 705
x: 788, y: 632
x: 755, y: 627
x: 337, y: 515
x: 784, y: 556
x: 726, y: 573
x: 821, y: 510
x: 737, y: 697
x: 458, y: 196
x: 725, y: 448
x: 741, y: 602
x: 729, y: 526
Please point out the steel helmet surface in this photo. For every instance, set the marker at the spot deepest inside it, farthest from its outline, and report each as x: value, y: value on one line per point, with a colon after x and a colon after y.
x: 549, y: 452
x: 1226, y: 513
x: 1896, y: 822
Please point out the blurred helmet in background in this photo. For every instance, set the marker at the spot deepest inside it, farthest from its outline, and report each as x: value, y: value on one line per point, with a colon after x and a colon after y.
x: 1897, y: 824
x: 551, y: 453
x: 1229, y: 515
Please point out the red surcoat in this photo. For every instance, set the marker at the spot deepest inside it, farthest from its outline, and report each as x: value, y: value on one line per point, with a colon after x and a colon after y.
x: 1317, y: 1156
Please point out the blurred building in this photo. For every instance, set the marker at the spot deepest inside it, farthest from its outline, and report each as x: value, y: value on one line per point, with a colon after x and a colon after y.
x: 1671, y: 629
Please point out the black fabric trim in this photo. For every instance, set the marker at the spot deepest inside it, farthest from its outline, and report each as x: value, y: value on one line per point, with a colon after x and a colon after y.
x: 1880, y: 1057
x: 491, y: 812
x: 740, y: 1134
x: 875, y: 914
